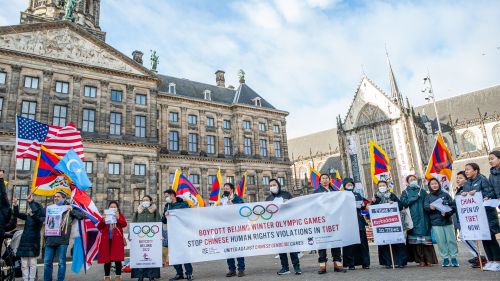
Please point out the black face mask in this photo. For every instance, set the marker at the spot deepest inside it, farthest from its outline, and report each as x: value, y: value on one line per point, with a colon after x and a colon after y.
x: 225, y: 194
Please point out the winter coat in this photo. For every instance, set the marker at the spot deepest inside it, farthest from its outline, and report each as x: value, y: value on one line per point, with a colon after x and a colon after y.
x: 481, y: 183
x: 415, y: 202
x: 237, y: 200
x: 438, y: 219
x: 5, y: 211
x: 361, y: 220
x: 112, y: 249
x: 146, y: 215
x: 392, y: 198
x: 281, y: 194
x: 180, y: 204
x: 29, y: 246
x: 495, y: 180
x: 63, y: 239
x: 324, y: 189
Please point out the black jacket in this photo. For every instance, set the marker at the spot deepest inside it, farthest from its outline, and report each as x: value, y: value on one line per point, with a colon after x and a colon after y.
x: 393, y: 198
x: 5, y: 211
x: 63, y: 239
x: 323, y: 189
x: 29, y: 246
x: 481, y: 183
x: 281, y: 194
x: 495, y: 180
x: 180, y: 204
x: 437, y: 219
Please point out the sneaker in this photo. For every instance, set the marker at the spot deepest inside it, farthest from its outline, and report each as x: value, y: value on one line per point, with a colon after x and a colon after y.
x: 495, y: 267
x: 283, y: 271
x: 297, y: 270
x: 337, y: 267
x: 454, y: 262
x: 177, y: 277
x: 241, y: 273
x: 446, y: 263
x: 487, y: 266
x: 231, y: 274
x: 474, y: 260
x: 352, y: 268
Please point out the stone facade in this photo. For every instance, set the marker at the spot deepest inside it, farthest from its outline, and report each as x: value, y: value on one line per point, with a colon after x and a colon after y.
x: 58, y: 72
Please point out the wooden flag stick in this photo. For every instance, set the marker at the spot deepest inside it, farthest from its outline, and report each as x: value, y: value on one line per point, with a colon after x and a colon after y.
x: 479, y: 255
x: 392, y: 256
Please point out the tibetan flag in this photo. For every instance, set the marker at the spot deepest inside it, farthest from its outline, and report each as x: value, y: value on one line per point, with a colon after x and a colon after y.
x: 242, y: 187
x: 440, y: 163
x: 46, y: 180
x: 337, y: 181
x: 380, y: 165
x: 31, y: 135
x: 314, y: 176
x: 72, y: 166
x: 187, y: 191
x: 215, y: 192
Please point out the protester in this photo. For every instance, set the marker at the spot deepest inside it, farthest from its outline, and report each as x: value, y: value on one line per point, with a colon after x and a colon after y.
x: 146, y: 212
x: 478, y: 183
x: 357, y: 254
x: 164, y: 232
x: 494, y: 160
x: 5, y: 210
x: 419, y: 241
x: 29, y: 246
x: 325, y: 186
x: 461, y: 179
x: 383, y: 196
x: 442, y: 224
x: 112, y: 247
x: 59, y: 244
x: 229, y: 197
x: 173, y: 203
x: 278, y: 194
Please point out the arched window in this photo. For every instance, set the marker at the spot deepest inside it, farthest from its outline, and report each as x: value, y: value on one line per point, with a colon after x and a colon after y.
x: 469, y: 141
x: 303, y: 172
x: 496, y: 135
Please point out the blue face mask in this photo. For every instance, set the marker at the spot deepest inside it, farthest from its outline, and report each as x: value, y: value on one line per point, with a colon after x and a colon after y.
x: 414, y: 183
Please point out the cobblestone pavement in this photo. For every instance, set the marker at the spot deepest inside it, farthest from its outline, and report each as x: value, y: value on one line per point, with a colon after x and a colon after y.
x: 264, y: 268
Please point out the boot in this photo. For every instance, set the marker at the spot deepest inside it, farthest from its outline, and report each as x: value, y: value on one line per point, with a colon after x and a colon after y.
x: 118, y: 278
x: 107, y: 278
x: 337, y: 267
x: 322, y: 268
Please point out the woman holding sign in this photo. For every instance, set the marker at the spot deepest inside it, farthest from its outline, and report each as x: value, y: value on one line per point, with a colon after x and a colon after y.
x: 112, y: 247
x: 383, y: 196
x: 146, y: 212
x: 420, y: 248
x: 440, y: 207
x: 478, y: 183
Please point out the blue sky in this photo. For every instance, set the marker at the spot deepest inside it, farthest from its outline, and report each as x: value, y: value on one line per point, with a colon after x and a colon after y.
x: 307, y: 56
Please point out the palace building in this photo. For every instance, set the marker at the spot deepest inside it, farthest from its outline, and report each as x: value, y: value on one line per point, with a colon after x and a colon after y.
x: 137, y: 126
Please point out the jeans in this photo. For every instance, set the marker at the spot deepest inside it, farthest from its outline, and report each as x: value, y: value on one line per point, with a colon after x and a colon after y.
x: 50, y: 252
x: 284, y: 260
x: 232, y: 266
x: 336, y: 255
x: 187, y: 266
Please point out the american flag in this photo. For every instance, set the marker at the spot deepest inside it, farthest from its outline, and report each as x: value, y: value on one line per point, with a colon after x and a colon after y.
x: 30, y: 135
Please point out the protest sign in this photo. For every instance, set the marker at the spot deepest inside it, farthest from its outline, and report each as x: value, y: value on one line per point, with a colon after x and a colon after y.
x: 312, y: 222
x: 53, y: 219
x: 145, y: 248
x: 472, y: 217
x: 110, y: 216
x: 386, y: 224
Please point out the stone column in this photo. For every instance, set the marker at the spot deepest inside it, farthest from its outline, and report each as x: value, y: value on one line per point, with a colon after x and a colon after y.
x: 183, y: 134
x: 284, y: 143
x: 101, y: 172
x: 258, y: 185
x: 153, y: 183
x: 153, y: 117
x: 129, y: 118
x: 102, y: 112
x: 74, y: 105
x: 45, y: 101
x: 204, y: 184
x: 14, y: 91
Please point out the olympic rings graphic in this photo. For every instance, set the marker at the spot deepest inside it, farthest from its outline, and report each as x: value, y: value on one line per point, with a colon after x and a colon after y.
x: 259, y: 211
x: 146, y: 230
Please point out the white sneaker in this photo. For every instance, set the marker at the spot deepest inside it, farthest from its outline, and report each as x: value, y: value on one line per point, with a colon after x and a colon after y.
x: 300, y: 255
x: 495, y: 267
x: 488, y: 266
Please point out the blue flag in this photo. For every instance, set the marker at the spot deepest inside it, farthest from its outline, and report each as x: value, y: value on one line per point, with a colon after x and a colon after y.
x: 73, y: 167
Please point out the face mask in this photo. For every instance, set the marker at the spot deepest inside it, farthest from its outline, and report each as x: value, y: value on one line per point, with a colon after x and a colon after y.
x: 349, y: 187
x: 146, y: 204
x: 225, y: 194
x: 382, y: 189
x: 414, y: 183
x: 60, y: 203
x: 168, y: 200
x: 274, y: 189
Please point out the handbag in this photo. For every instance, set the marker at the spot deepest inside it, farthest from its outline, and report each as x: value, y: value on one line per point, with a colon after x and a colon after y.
x: 406, y: 219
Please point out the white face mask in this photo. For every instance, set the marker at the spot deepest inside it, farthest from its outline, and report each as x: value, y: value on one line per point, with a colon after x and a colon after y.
x: 414, y: 183
x: 168, y: 200
x: 382, y: 189
x: 349, y: 187
x: 274, y: 189
x: 146, y: 204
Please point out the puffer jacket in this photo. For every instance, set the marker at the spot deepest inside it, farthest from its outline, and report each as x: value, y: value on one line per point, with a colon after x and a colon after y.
x: 437, y: 219
x: 495, y: 180
x: 29, y: 246
x: 482, y: 184
x: 281, y: 194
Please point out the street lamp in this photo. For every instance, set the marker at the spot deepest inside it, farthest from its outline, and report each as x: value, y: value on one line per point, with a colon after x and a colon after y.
x: 430, y: 97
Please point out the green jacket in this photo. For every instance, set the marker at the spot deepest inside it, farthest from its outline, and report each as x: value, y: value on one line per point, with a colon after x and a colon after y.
x: 415, y: 202
x: 147, y: 215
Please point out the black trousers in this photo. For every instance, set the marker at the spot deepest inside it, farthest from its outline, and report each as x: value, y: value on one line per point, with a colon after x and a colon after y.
x: 492, y: 248
x: 118, y: 268
x: 284, y: 260
x: 336, y: 255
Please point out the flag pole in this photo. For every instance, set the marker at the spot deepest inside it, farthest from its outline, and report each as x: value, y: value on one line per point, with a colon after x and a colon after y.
x: 392, y: 256
x: 479, y: 255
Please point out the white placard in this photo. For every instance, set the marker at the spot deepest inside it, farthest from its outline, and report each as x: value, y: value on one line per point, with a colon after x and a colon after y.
x: 53, y: 219
x: 386, y: 224
x: 110, y: 216
x: 491, y: 203
x: 316, y: 221
x: 438, y: 204
x: 472, y: 217
x: 145, y: 247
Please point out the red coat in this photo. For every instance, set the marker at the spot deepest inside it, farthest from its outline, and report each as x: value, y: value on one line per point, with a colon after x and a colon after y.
x: 115, y: 251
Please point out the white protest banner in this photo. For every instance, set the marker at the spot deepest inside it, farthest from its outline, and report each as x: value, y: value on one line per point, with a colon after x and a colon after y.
x: 386, y: 224
x: 316, y: 221
x: 472, y: 217
x: 145, y: 248
x: 53, y: 219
